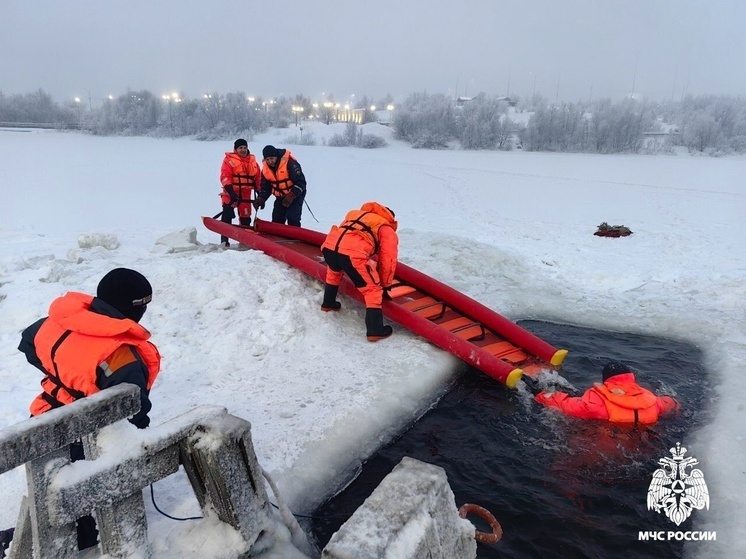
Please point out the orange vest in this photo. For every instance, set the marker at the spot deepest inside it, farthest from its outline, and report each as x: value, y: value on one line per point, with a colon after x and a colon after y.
x: 244, y: 170
x: 628, y: 402
x: 364, y: 222
x: 279, y: 178
x: 73, y: 341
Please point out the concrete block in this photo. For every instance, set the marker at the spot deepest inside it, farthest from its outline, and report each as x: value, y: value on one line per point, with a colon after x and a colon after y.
x: 50, y: 537
x: 222, y: 467
x: 123, y: 528
x: 412, y: 514
x: 22, y: 540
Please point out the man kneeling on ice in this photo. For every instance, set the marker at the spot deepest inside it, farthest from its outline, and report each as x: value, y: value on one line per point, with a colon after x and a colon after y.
x: 348, y: 248
x: 619, y: 399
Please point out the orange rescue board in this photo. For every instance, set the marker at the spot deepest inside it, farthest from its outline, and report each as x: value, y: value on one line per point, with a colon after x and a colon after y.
x: 449, y: 319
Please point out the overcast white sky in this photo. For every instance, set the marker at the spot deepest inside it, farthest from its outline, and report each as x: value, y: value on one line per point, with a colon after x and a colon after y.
x: 576, y: 48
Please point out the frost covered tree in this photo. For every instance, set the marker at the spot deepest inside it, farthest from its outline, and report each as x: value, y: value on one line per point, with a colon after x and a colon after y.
x: 712, y: 124
x: 701, y: 131
x: 619, y: 127
x: 351, y: 136
x: 604, y: 127
x: 37, y: 107
x: 553, y: 128
x: 354, y: 136
x: 483, y: 124
x: 426, y: 121
x: 135, y: 113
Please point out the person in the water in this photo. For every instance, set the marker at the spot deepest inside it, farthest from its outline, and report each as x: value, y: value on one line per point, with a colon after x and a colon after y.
x: 619, y: 399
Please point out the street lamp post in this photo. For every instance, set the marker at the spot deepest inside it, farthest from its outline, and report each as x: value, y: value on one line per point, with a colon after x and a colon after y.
x: 297, y: 110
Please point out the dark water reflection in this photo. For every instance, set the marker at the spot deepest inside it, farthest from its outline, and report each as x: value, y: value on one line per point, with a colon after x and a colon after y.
x: 560, y: 487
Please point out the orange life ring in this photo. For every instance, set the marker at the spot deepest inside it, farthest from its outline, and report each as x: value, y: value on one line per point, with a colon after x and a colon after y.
x: 484, y: 514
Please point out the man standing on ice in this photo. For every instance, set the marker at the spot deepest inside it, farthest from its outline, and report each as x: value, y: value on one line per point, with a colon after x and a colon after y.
x: 282, y: 177
x: 240, y: 176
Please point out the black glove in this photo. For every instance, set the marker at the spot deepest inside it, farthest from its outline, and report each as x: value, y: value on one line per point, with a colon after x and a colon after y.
x: 386, y: 294
x: 532, y: 385
x: 232, y: 194
x: 141, y: 423
x: 258, y: 203
x: 288, y: 199
x: 6, y: 536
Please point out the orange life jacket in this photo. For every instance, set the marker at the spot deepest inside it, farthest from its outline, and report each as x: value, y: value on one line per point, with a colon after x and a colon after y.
x: 628, y: 402
x: 73, y: 341
x: 363, y: 224
x: 243, y: 170
x: 279, y: 178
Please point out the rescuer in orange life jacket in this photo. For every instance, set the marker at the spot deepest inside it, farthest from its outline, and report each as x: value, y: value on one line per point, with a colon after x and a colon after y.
x: 283, y: 177
x: 348, y: 248
x: 619, y: 399
x: 87, y: 344
x: 240, y: 175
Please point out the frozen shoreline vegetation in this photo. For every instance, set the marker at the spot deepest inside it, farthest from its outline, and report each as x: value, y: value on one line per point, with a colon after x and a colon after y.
x: 706, y: 124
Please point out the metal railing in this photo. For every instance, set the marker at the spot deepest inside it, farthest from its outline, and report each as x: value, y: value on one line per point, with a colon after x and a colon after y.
x: 43, y: 125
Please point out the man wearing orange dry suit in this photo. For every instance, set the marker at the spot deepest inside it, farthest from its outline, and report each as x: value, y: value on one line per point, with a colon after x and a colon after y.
x: 619, y: 399
x: 283, y: 177
x: 88, y: 344
x: 240, y: 175
x: 348, y: 248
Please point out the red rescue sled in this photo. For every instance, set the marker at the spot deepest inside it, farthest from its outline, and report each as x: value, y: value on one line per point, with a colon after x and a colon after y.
x: 452, y: 321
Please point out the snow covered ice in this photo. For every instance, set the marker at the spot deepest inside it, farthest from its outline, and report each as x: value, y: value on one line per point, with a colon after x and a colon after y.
x: 240, y: 330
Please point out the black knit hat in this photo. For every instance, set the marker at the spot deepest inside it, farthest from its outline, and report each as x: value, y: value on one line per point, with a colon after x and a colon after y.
x: 127, y: 291
x: 270, y: 151
x: 614, y: 368
x: 240, y: 142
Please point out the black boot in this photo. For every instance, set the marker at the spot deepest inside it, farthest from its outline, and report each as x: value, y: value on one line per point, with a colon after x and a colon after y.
x: 330, y: 298
x: 6, y: 536
x: 227, y: 217
x: 374, y: 325
x: 87, y: 532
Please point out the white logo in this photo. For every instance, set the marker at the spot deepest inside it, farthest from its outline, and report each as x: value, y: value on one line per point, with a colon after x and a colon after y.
x: 676, y: 491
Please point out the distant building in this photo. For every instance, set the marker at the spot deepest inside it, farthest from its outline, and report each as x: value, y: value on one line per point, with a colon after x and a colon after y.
x: 351, y: 115
x: 461, y: 101
x: 507, y: 100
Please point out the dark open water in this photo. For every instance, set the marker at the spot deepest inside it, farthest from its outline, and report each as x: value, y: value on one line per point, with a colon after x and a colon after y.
x: 560, y: 487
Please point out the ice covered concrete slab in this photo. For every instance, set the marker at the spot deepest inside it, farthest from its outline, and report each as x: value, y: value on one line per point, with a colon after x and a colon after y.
x: 412, y: 514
